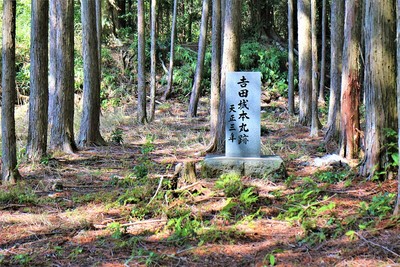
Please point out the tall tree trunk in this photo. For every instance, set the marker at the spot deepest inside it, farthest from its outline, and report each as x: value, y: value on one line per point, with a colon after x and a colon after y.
x: 190, y: 22
x: 9, y: 169
x: 99, y: 30
x: 61, y: 81
x: 215, y: 73
x: 351, y: 81
x: 321, y: 97
x: 89, y: 133
x: 172, y: 52
x: 304, y: 43
x: 291, y: 58
x: 223, y: 9
x: 141, y: 108
x: 379, y: 84
x: 314, y: 91
x: 397, y: 205
x: 337, y: 22
x: 198, y: 76
x: 230, y: 60
x: 39, y: 87
x: 153, y: 59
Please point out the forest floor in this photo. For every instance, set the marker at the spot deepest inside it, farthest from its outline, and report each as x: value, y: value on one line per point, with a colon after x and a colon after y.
x: 117, y: 205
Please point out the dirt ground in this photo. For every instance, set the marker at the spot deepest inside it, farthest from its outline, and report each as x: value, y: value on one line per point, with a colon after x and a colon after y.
x: 70, y: 223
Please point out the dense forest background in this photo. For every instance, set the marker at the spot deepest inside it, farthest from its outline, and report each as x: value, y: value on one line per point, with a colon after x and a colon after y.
x: 110, y: 106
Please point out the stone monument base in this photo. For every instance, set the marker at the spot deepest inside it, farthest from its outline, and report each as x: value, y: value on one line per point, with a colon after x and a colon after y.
x: 268, y: 167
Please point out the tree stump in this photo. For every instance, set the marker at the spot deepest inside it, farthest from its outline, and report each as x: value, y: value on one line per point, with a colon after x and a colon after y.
x: 185, y: 174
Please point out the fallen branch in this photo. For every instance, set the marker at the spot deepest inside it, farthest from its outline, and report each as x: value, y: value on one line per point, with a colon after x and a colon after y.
x: 185, y: 187
x: 101, y: 226
x: 376, y: 245
x: 158, y: 189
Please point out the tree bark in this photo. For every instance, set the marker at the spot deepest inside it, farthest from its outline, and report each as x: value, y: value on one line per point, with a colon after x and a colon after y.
x: 196, y: 90
x: 314, y: 91
x: 305, y: 61
x: 351, y: 81
x: 153, y: 60
x: 337, y: 22
x: 230, y: 61
x: 291, y: 58
x: 172, y: 52
x: 215, y: 73
x: 61, y: 81
x: 99, y: 30
x: 321, y: 98
x: 396, y: 211
x: 89, y: 133
x: 9, y: 169
x: 379, y: 84
x: 39, y: 88
x: 141, y: 108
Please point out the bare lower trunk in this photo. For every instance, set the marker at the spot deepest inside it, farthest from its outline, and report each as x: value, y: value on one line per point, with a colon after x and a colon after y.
x: 196, y: 90
x: 230, y: 61
x: 215, y: 73
x: 61, y: 80
x: 9, y: 169
x: 397, y: 205
x: 291, y: 58
x: 321, y: 97
x: 141, y: 107
x: 305, y: 59
x: 89, y: 133
x: 380, y: 86
x: 314, y: 91
x: 337, y: 22
x: 351, y: 81
x: 39, y: 89
x: 153, y: 60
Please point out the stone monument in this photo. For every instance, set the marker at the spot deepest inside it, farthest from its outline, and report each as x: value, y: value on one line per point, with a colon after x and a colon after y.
x: 243, y: 132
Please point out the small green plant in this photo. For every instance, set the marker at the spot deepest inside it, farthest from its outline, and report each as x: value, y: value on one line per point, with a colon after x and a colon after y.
x: 132, y: 196
x: 116, y: 230
x: 248, y: 197
x: 332, y: 177
x: 231, y: 184
x: 380, y: 205
x: 146, y: 257
x: 20, y: 194
x: 392, y: 153
x: 117, y: 136
x: 22, y: 259
x: 184, y: 227
x: 75, y: 252
x: 127, y: 181
x: 289, y: 180
x: 45, y: 160
x: 141, y: 170
x: 148, y: 146
x: 226, y: 211
x: 59, y: 251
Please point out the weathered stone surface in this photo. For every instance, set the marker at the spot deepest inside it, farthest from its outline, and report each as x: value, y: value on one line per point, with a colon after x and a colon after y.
x: 243, y: 127
x: 263, y: 167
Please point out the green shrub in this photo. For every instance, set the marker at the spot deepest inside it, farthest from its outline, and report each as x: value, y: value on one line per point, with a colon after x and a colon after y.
x: 270, y: 61
x: 231, y: 184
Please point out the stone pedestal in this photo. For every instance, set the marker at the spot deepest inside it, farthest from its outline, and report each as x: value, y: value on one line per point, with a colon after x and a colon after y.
x: 268, y: 167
